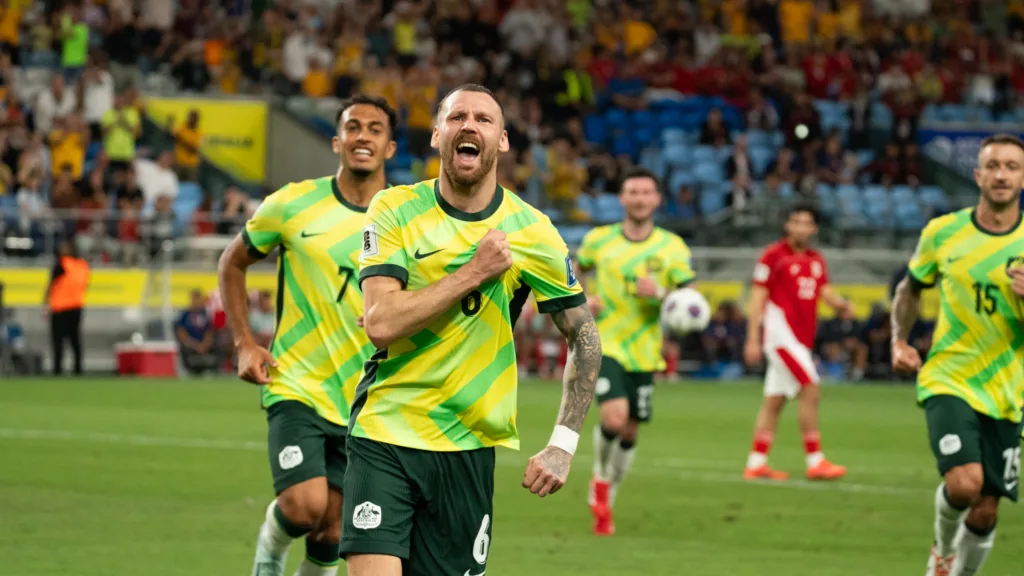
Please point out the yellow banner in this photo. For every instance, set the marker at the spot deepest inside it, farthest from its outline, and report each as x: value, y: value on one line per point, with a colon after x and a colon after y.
x: 234, y: 132
x: 119, y: 288
x: 24, y: 287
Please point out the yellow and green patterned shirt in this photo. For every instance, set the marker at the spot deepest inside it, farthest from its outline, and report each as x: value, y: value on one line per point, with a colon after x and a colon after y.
x: 452, y: 386
x: 977, y: 349
x: 630, y: 326
x: 319, y: 346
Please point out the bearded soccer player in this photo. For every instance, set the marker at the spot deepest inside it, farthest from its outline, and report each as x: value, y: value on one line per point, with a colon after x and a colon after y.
x: 446, y: 267
x: 972, y: 385
x: 789, y: 279
x: 635, y: 263
x: 315, y: 361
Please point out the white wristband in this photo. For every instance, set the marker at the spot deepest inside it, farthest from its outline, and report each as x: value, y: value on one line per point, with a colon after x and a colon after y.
x: 564, y: 438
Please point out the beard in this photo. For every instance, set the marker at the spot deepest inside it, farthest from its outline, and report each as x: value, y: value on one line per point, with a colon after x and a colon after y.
x: 488, y: 162
x: 999, y: 204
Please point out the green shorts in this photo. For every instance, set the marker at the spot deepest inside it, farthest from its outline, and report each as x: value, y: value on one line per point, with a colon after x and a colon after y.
x: 638, y: 387
x: 959, y: 435
x: 302, y: 445
x: 431, y: 509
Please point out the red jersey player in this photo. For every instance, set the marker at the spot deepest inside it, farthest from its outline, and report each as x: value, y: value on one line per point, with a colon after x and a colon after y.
x: 789, y: 279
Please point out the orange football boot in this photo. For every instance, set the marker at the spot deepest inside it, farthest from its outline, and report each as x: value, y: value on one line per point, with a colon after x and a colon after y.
x: 826, y: 470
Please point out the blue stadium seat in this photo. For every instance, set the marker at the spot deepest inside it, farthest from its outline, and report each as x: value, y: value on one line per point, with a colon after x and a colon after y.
x: 786, y: 190
x: 678, y: 179
x: 934, y: 197
x: 823, y: 189
x: 643, y: 118
x: 759, y: 139
x: 595, y: 128
x: 953, y: 112
x: 931, y: 113
x: 400, y: 177
x: 902, y: 194
x: 847, y: 191
x: 607, y: 209
x: 672, y: 136
x: 881, y: 115
x: 760, y: 157
x: 554, y: 213
x: 711, y: 200
x: 670, y: 119
x: 617, y: 119
x: 654, y: 160
x: 647, y: 135
x: 879, y: 214
x: 586, y: 203
x: 401, y: 161
x: 865, y: 157
x: 704, y: 154
x: 708, y: 172
x: 623, y: 144
x: 678, y: 156
x: 875, y: 192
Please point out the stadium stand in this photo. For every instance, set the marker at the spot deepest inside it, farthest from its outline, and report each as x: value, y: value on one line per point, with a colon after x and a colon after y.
x: 739, y: 107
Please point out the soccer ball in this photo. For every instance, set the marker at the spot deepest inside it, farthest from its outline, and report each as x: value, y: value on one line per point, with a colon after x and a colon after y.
x: 685, y: 311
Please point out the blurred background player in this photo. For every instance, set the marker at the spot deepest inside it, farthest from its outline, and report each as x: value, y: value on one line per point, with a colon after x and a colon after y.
x: 972, y: 386
x: 446, y: 268
x: 635, y: 263
x: 312, y: 368
x: 789, y: 279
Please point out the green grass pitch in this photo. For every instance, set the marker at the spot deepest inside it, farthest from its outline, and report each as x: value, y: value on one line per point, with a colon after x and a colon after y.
x: 112, y: 478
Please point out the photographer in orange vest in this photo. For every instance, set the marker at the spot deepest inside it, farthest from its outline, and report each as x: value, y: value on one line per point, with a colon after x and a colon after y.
x: 65, y: 298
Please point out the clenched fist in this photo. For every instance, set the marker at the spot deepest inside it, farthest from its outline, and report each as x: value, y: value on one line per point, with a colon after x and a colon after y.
x: 493, y: 255
x: 905, y: 358
x: 547, y: 471
x: 254, y: 362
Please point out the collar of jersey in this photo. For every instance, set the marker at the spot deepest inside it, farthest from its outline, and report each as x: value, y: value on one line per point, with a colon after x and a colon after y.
x: 341, y: 199
x: 499, y: 196
x: 983, y: 230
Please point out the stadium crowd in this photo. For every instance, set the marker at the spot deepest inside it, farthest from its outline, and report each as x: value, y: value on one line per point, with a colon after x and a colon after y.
x: 72, y: 115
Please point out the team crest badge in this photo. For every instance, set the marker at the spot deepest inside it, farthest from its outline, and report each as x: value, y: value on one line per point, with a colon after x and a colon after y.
x: 654, y: 265
x: 1014, y: 263
x: 570, y: 274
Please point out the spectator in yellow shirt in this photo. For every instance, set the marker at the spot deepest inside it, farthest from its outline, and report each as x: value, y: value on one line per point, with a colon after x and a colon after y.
x: 638, y: 34
x: 10, y: 28
x: 420, y: 98
x: 566, y: 177
x: 826, y: 22
x: 317, y: 83
x: 849, y: 19
x: 795, y: 17
x: 68, y: 139
x: 348, y: 61
x: 187, y: 142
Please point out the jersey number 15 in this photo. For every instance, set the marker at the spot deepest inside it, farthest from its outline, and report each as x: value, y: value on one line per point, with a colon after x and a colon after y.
x: 985, y: 297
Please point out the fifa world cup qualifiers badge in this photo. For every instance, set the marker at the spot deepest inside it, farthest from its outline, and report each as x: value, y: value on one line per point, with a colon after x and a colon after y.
x: 570, y: 274
x: 1014, y: 263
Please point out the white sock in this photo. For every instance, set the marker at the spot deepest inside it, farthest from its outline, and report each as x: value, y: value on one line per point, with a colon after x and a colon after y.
x: 619, y: 462
x: 814, y: 459
x: 273, y: 538
x: 947, y: 520
x: 308, y: 568
x: 756, y: 460
x: 971, y: 551
x: 602, y: 449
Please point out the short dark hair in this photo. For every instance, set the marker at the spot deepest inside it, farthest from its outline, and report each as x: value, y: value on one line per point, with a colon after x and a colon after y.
x: 473, y: 88
x: 805, y: 208
x: 1002, y: 138
x: 640, y: 172
x: 375, y: 101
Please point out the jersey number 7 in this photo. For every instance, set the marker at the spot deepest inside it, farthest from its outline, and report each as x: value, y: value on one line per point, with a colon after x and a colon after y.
x: 348, y: 272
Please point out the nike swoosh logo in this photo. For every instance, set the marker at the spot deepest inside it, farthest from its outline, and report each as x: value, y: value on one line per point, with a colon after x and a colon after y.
x: 480, y: 574
x: 1011, y: 485
x: 420, y: 256
x: 307, y: 235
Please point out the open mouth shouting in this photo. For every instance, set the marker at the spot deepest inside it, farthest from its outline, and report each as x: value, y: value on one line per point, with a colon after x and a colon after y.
x: 466, y: 153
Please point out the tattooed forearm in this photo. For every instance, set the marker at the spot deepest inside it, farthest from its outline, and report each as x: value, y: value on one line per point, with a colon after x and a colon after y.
x: 905, y: 305
x: 581, y: 367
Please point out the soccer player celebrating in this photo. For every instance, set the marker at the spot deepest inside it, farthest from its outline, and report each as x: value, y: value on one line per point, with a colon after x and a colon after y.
x: 636, y: 263
x: 789, y: 279
x: 972, y: 386
x: 446, y: 267
x: 319, y: 347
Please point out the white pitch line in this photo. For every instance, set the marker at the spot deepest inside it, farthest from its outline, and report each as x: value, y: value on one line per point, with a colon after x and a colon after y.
x: 662, y: 468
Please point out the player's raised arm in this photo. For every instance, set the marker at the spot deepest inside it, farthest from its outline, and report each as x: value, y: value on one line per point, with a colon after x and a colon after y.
x: 547, y: 472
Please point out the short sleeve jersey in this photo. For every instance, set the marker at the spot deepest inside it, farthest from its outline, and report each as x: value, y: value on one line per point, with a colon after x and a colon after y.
x: 977, y: 351
x: 794, y: 281
x: 452, y: 386
x: 318, y: 344
x: 630, y: 326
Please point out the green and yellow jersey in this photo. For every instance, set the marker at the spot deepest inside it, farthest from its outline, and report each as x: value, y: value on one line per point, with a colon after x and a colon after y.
x: 452, y: 386
x: 319, y: 346
x: 630, y: 326
x: 977, y: 349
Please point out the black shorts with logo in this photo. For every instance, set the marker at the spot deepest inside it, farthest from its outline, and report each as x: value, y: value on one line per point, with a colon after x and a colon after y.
x: 302, y: 445
x: 960, y: 435
x: 431, y: 509
x: 637, y: 387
